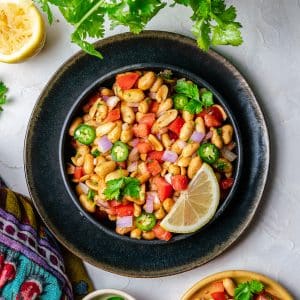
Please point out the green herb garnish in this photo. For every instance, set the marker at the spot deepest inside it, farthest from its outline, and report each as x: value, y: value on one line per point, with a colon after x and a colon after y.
x: 91, y: 194
x: 96, y: 153
x: 214, y: 23
x: 117, y: 188
x: 246, y: 290
x: 3, y: 96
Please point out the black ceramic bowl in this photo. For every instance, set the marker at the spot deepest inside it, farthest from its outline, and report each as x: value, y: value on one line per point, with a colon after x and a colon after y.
x: 66, y: 151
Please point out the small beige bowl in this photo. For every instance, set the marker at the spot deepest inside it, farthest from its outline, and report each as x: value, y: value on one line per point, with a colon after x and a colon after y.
x: 198, y: 289
x: 104, y: 292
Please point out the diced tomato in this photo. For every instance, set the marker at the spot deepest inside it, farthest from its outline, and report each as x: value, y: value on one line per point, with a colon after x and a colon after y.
x: 124, y: 210
x: 113, y: 115
x: 176, y: 125
x: 216, y: 287
x: 126, y: 81
x: 172, y: 135
x: 148, y: 119
x: 90, y: 103
x: 114, y: 203
x: 226, y: 183
x: 78, y: 173
x: 180, y: 182
x: 144, y: 147
x: 219, y: 296
x: 141, y: 130
x: 164, y: 189
x: 154, y: 106
x: 161, y: 234
x: 212, y: 117
x: 157, y: 155
x: 154, y: 167
x: 264, y: 296
x: 122, y: 164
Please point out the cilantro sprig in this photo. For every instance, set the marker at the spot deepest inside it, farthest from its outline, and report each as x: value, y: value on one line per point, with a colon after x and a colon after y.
x: 214, y: 23
x: 3, y: 96
x: 197, y: 99
x: 246, y: 290
x: 117, y: 188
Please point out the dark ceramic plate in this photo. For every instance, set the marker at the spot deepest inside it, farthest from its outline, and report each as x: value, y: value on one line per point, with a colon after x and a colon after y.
x: 107, y: 80
x: 89, y: 241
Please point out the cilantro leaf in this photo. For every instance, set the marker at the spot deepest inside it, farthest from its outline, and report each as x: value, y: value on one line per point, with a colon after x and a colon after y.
x: 207, y: 99
x: 193, y: 107
x: 188, y: 89
x: 227, y: 35
x: 245, y: 291
x: 46, y: 8
x: 201, y: 31
x: 3, y: 92
x: 117, y: 188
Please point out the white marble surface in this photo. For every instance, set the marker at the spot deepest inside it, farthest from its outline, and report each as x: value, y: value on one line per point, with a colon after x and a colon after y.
x: 270, y: 60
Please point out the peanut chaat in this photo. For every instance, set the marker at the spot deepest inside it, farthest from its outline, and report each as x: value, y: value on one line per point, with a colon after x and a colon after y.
x: 138, y: 144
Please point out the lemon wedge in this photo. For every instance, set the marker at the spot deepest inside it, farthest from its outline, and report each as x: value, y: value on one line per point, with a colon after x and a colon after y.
x: 22, y: 30
x: 196, y: 206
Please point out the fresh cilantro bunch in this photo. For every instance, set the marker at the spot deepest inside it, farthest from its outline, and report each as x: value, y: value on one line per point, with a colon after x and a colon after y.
x: 117, y: 188
x: 3, y: 92
x: 197, y: 99
x: 214, y: 23
x: 246, y: 290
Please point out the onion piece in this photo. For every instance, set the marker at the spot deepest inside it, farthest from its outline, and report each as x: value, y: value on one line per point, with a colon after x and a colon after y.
x: 168, y: 178
x: 229, y: 155
x: 70, y: 169
x: 112, y: 101
x: 105, y: 98
x: 152, y: 95
x: 83, y: 187
x: 208, y: 136
x: 197, y: 136
x: 149, y: 202
x: 123, y: 222
x: 134, y: 142
x: 132, y: 167
x: 104, y: 144
x: 170, y: 156
x: 133, y: 155
x: 230, y: 146
x: 102, y: 203
x: 181, y: 144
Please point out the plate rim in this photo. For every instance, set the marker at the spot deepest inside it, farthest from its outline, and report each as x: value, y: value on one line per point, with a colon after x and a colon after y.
x: 173, y: 270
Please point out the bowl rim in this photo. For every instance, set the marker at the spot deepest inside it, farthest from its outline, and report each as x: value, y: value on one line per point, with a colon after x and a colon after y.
x: 91, y: 90
x: 101, y: 292
x: 232, y: 274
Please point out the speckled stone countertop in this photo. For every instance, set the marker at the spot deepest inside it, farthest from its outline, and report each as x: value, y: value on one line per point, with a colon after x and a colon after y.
x: 270, y: 60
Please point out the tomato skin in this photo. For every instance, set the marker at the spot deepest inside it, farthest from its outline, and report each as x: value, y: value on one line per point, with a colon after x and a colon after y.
x: 180, y: 182
x: 212, y: 117
x: 126, y: 81
x: 78, y: 173
x: 217, y: 287
x: 113, y: 115
x: 157, y: 155
x: 114, y: 203
x: 264, y: 296
x: 90, y: 103
x: 148, y: 119
x: 154, y: 107
x: 219, y: 296
x: 164, y: 189
x: 144, y: 147
x: 161, y: 234
x: 226, y: 183
x: 176, y: 125
x: 154, y: 167
x: 172, y: 135
x: 124, y: 210
x: 141, y: 130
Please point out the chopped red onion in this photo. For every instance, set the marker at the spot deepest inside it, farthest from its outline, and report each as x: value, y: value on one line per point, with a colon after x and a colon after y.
x: 133, y: 155
x: 181, y: 144
x: 197, y: 136
x: 230, y: 146
x: 228, y: 154
x: 149, y: 203
x: 104, y: 144
x: 102, y: 203
x: 208, y: 136
x: 112, y: 101
x: 132, y: 167
x: 170, y: 156
x: 152, y: 95
x: 134, y: 142
x: 168, y: 178
x: 105, y: 98
x: 83, y: 187
x: 123, y: 222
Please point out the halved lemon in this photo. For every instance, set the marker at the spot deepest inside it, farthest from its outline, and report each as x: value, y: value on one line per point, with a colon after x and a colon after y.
x: 196, y: 206
x: 22, y: 30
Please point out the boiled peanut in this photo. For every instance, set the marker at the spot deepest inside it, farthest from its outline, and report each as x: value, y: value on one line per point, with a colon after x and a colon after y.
x: 136, y: 234
x: 177, y: 147
x: 155, y: 143
x: 92, y: 184
x: 199, y: 125
x: 148, y: 235
x: 143, y: 177
x: 223, y: 165
x: 174, y: 170
x: 115, y: 134
x: 190, y: 149
x: 133, y: 95
x: 168, y: 204
x: 166, y: 118
x: 160, y: 213
x: 165, y: 139
x: 144, y: 106
x: 156, y: 85
x: 127, y: 113
x: 194, y: 166
x: 88, y: 165
x: 105, y: 128
x: 162, y: 93
x: 106, y: 92
x: 186, y: 130
x: 216, y: 139
x: 74, y: 125
x: 118, y: 91
x: 184, y: 161
x: 105, y: 168
x: 146, y: 81
x: 116, y: 174
x: 123, y: 230
x: 227, y: 132
x: 127, y: 133
x: 164, y: 106
x: 182, y: 172
x: 187, y: 116
x: 229, y: 286
x: 87, y: 204
x: 137, y: 210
